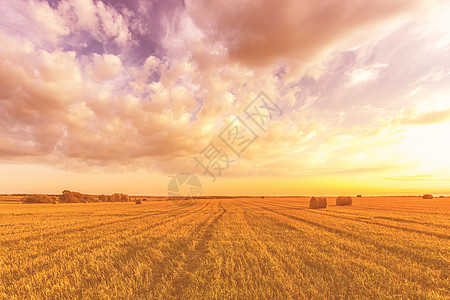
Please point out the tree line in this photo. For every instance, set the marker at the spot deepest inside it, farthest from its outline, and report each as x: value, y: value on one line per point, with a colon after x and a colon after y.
x: 74, y: 197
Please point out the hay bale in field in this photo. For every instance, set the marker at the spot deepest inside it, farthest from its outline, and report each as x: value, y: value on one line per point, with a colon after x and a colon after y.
x: 343, y: 200
x: 55, y: 202
x: 359, y: 196
x: 145, y: 199
x: 138, y: 201
x: 427, y: 196
x: 318, y: 202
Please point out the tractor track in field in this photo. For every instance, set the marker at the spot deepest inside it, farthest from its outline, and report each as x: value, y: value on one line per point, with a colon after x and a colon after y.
x: 192, y: 258
x: 166, y: 261
x: 279, y: 259
x: 206, y: 236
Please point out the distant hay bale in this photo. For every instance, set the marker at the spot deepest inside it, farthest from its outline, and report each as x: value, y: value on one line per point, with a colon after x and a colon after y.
x: 427, y: 196
x: 138, y: 201
x: 318, y: 202
x: 343, y: 200
x: 55, y: 202
x: 145, y: 199
x: 359, y: 196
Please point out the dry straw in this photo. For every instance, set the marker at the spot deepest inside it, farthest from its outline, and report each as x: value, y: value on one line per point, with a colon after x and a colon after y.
x: 318, y: 202
x: 343, y: 200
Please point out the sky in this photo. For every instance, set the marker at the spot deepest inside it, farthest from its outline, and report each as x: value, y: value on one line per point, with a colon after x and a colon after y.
x: 253, y: 97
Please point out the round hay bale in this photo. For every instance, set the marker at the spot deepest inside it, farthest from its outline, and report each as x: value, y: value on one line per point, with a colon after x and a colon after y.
x: 359, y: 196
x: 55, y: 202
x: 318, y: 202
x: 138, y: 201
x: 427, y: 196
x: 343, y: 200
x: 145, y: 199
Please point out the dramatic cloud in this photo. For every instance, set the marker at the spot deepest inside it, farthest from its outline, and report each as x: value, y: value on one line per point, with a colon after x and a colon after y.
x: 147, y: 85
x: 106, y: 67
x: 262, y: 32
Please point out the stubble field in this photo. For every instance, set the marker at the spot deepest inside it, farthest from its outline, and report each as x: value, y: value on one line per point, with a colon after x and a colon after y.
x: 246, y: 248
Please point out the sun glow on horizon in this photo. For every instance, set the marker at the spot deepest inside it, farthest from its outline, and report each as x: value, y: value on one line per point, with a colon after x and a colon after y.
x: 102, y: 97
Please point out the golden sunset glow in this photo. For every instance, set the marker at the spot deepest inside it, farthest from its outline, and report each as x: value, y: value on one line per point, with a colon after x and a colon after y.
x: 104, y: 96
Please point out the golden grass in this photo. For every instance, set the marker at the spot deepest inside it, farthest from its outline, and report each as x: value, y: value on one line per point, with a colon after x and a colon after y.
x: 247, y: 248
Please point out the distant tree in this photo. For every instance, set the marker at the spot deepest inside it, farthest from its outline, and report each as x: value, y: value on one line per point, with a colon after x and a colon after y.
x: 116, y: 197
x: 37, y: 199
x: 102, y: 198
x: 71, y: 197
x: 125, y: 198
x: 88, y: 198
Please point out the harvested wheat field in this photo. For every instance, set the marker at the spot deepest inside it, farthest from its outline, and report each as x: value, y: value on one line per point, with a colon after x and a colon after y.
x: 246, y: 248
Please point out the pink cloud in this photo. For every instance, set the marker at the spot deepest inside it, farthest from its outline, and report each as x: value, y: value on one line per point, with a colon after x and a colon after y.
x: 262, y: 32
x: 107, y: 108
x: 106, y: 67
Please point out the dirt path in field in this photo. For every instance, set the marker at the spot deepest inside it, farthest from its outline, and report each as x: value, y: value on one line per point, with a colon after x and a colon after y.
x: 192, y: 258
